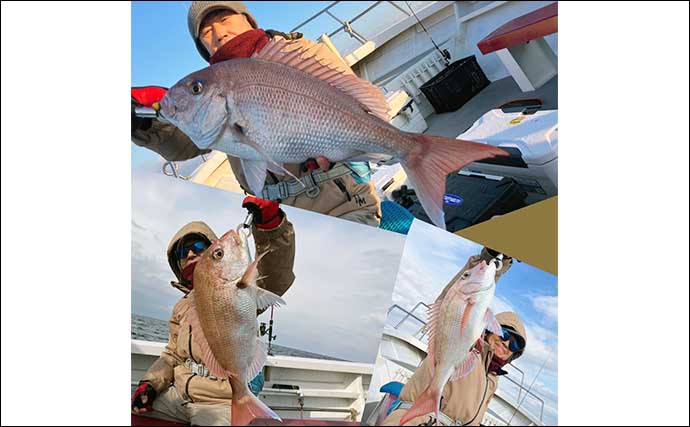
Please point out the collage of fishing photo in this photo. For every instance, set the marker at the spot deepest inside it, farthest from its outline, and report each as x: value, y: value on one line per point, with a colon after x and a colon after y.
x: 344, y: 213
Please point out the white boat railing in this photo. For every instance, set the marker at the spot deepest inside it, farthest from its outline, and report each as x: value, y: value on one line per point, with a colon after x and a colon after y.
x: 363, y: 35
x: 345, y: 24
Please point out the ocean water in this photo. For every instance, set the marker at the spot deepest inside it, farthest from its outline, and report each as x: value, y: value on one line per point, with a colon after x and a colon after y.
x: 150, y: 329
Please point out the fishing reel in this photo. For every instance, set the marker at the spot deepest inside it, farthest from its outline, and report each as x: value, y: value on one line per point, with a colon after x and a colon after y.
x: 263, y: 330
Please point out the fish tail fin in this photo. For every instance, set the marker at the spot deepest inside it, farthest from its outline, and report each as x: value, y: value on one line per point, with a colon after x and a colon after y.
x: 248, y: 407
x: 428, y: 401
x: 432, y: 159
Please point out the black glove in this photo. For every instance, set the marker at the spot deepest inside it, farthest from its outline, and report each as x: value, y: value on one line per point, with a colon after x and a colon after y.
x: 143, y: 123
x: 144, y: 396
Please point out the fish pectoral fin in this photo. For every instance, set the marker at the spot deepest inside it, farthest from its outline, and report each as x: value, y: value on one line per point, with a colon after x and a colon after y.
x: 255, y: 174
x: 239, y: 132
x: 492, y: 324
x: 275, y: 169
x: 266, y: 299
x: 465, y: 367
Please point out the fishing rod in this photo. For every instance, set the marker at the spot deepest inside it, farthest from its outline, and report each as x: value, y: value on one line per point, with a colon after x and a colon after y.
x: 245, y: 228
x: 444, y: 53
x: 268, y: 331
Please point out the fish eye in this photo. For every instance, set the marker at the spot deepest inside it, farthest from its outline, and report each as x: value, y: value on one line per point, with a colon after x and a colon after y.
x: 218, y: 253
x: 196, y: 87
x: 465, y: 275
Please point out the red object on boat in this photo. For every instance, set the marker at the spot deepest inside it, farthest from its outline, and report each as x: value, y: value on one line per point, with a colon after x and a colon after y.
x: 148, y: 421
x: 538, y: 23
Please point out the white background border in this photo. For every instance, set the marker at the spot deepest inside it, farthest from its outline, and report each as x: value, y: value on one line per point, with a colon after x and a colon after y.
x: 623, y: 288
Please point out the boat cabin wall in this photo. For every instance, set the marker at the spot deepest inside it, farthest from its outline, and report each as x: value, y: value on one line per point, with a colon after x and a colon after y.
x: 490, y: 16
x: 408, y: 59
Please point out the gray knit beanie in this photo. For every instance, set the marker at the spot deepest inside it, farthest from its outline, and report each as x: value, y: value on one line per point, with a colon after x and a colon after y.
x: 198, y: 11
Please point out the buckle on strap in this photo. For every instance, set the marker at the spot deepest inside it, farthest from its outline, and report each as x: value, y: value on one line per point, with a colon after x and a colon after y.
x: 275, y: 191
x: 312, y: 181
x: 199, y: 369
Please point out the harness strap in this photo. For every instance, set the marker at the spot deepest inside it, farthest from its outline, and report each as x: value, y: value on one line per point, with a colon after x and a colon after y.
x: 312, y: 181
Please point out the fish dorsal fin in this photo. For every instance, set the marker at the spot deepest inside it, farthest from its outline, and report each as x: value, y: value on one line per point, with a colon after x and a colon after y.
x: 433, y: 315
x: 305, y: 56
x: 207, y: 356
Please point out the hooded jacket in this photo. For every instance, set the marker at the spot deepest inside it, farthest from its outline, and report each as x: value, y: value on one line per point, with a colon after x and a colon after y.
x: 169, y: 369
x: 465, y: 399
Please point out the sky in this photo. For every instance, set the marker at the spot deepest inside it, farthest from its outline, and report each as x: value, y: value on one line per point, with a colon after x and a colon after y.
x: 431, y: 259
x: 344, y: 271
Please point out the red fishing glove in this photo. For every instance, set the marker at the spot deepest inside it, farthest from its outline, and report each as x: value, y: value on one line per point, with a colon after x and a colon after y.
x: 145, y: 97
x: 148, y: 95
x: 142, y: 399
x: 267, y: 214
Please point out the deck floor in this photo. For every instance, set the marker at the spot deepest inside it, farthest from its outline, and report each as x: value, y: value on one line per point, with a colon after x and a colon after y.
x: 499, y: 92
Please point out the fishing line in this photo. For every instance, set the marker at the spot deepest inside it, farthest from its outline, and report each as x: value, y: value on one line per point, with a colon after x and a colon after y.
x: 530, y: 386
x: 444, y: 53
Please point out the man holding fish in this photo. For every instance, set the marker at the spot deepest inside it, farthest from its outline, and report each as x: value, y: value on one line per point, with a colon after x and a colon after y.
x: 224, y: 30
x: 466, y: 399
x: 468, y: 346
x: 276, y: 104
x: 184, y: 384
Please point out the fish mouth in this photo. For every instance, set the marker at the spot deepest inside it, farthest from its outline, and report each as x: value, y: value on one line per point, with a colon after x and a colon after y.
x: 165, y: 109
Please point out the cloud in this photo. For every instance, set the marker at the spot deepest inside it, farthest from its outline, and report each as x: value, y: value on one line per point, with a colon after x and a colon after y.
x: 499, y: 305
x: 344, y: 271
x: 547, y: 305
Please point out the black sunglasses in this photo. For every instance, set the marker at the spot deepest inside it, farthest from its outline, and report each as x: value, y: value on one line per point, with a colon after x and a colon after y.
x: 515, y: 344
x: 196, y: 247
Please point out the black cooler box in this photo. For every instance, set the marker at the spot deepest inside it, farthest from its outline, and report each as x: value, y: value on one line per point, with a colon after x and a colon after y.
x: 469, y: 200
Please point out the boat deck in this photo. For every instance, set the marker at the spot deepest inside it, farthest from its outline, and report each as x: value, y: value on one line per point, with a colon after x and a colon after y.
x: 497, y: 93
